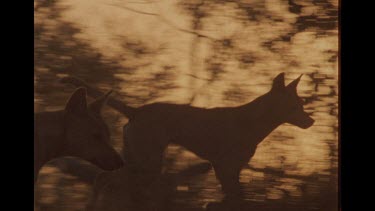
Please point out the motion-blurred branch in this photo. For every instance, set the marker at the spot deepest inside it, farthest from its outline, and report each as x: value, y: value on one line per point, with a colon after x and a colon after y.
x: 165, y: 21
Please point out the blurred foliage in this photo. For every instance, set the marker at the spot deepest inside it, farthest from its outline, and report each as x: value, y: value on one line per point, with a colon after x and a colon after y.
x: 206, y: 53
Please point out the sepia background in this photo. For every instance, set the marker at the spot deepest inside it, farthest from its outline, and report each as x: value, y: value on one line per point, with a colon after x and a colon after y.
x: 207, y: 53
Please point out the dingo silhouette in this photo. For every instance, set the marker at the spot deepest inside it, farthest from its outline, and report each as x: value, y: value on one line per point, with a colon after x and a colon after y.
x: 78, y: 130
x: 225, y: 136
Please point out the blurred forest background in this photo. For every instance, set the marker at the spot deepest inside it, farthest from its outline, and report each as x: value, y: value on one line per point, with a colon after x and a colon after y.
x: 207, y: 53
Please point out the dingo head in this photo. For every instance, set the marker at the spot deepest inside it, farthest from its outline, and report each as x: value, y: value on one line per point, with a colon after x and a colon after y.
x: 287, y: 104
x: 86, y: 134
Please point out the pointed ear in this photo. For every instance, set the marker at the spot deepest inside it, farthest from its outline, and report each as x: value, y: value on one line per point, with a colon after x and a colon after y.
x: 77, y: 102
x: 293, y: 85
x: 278, y: 82
x: 97, y: 105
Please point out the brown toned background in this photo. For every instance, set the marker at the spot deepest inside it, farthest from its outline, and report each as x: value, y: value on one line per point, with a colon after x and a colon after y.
x: 207, y: 53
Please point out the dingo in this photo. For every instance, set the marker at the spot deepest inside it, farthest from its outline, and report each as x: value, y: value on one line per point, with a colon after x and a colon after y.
x: 226, y: 136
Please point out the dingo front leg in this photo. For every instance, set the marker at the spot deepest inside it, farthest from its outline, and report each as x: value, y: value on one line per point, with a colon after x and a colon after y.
x: 229, y: 179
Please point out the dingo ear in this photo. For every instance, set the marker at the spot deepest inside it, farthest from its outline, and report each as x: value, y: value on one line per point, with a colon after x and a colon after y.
x: 77, y: 102
x: 278, y: 82
x: 293, y: 85
x: 97, y: 105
